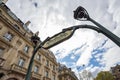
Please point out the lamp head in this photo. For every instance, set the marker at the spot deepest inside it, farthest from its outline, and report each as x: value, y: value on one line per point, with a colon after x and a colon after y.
x: 35, y: 39
x: 81, y: 14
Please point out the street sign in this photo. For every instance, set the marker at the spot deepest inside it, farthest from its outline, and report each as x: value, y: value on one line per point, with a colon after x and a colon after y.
x: 58, y: 38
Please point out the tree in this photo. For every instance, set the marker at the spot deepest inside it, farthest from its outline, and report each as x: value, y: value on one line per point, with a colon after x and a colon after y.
x: 104, y: 75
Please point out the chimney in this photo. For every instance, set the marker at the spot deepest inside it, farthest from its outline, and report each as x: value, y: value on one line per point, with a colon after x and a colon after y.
x: 27, y: 23
x: 4, y: 1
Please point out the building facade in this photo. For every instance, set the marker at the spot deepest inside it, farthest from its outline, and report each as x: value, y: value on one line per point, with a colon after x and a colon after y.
x: 116, y: 72
x: 65, y: 73
x: 16, y: 50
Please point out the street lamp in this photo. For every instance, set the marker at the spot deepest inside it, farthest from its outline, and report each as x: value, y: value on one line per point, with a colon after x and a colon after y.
x: 81, y: 14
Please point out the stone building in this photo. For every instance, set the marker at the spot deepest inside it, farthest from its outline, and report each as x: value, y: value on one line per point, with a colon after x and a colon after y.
x: 16, y: 50
x: 116, y: 72
x: 65, y: 73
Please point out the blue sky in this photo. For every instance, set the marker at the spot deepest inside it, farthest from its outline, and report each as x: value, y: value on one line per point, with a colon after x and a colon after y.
x: 86, y: 47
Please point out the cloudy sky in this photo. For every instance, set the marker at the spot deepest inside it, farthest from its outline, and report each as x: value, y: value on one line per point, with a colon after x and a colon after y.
x: 86, y: 46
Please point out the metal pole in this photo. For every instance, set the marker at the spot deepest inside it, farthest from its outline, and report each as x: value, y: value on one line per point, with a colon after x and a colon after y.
x: 106, y: 32
x: 28, y: 75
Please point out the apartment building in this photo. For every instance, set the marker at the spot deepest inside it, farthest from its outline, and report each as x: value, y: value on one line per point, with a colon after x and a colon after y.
x: 16, y: 50
x: 65, y: 73
x: 116, y: 72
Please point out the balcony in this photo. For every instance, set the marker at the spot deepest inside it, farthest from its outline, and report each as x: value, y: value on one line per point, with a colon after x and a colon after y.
x: 36, y: 75
x: 2, y: 61
x: 18, y: 69
x: 54, y: 71
x: 46, y: 78
x: 5, y: 41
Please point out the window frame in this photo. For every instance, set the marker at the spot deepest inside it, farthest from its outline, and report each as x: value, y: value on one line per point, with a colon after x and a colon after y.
x: 21, y: 62
x: 54, y: 67
x: 46, y: 74
x: 26, y: 48
x: 38, y: 57
x: 8, y: 36
x: 36, y: 69
x: 47, y: 63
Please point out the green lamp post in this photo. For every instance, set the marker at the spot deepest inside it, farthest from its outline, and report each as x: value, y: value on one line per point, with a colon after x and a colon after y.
x: 53, y: 41
x: 81, y: 14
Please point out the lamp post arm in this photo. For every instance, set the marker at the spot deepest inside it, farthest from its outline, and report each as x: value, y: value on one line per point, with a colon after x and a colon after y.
x: 106, y: 32
x: 88, y: 26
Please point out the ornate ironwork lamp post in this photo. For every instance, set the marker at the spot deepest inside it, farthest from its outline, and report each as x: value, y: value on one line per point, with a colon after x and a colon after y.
x: 81, y: 14
x: 52, y: 41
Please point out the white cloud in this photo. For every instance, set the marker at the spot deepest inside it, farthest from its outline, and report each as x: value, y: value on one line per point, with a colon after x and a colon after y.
x: 111, y: 57
x: 85, y: 57
x: 95, y: 70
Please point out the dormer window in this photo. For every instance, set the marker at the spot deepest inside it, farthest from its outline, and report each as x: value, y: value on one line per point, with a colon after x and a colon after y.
x: 12, y: 15
x: 16, y: 27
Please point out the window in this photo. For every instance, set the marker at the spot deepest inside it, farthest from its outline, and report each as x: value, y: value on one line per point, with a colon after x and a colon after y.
x: 36, y: 69
x: 16, y: 27
x: 46, y: 74
x: 53, y: 67
x: 12, y: 15
x: 47, y: 63
x: 53, y: 78
x: 38, y: 57
x: 26, y: 48
x: 8, y: 36
x: 1, y: 51
x: 21, y: 62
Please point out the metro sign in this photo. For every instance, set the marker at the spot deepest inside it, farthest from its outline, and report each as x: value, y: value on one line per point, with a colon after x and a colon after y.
x: 58, y: 38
